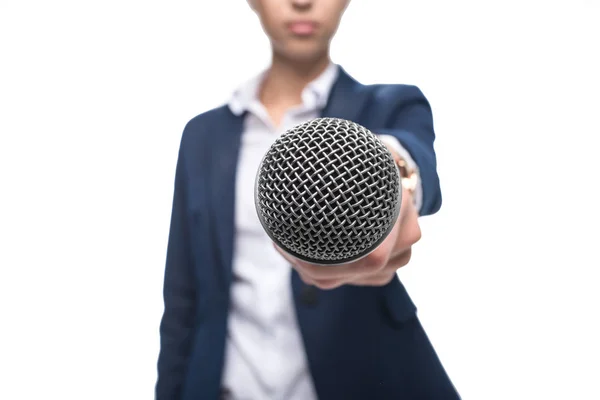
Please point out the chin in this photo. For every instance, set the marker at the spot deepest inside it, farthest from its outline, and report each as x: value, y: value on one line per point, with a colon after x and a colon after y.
x: 308, y: 51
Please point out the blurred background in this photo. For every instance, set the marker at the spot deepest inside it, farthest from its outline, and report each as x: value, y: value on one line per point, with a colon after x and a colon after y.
x: 93, y: 100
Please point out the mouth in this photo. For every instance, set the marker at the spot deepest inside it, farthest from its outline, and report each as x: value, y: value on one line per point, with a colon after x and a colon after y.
x: 302, y: 28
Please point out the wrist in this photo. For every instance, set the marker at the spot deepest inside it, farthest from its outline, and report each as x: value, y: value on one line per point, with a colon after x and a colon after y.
x: 408, y: 175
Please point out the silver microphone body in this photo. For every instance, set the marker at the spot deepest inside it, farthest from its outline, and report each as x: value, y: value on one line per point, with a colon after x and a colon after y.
x: 328, y: 191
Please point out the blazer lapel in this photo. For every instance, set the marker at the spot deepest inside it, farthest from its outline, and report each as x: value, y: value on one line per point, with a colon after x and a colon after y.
x: 347, y: 98
x: 224, y: 152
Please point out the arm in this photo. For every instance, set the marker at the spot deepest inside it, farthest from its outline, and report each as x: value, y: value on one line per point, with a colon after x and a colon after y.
x: 412, y: 125
x: 395, y: 147
x: 177, y: 324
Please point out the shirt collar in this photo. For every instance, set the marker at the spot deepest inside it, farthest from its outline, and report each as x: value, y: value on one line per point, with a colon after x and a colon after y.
x: 316, y: 92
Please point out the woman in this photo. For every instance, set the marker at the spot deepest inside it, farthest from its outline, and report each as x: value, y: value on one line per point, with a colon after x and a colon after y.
x: 240, y: 323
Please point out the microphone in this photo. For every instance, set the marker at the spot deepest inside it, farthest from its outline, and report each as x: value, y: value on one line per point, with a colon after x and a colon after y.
x: 328, y: 191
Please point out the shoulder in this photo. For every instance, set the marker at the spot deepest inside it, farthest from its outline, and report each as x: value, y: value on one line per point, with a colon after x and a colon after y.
x: 384, y: 103
x: 385, y: 93
x: 207, y: 121
x: 396, y: 94
x: 204, y: 133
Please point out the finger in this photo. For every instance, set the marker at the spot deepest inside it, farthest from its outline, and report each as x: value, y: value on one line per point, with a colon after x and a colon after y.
x: 320, y: 283
x: 328, y: 284
x: 399, y: 260
x: 385, y: 276
x: 379, y: 279
x: 330, y: 272
x: 409, y: 233
x: 305, y: 278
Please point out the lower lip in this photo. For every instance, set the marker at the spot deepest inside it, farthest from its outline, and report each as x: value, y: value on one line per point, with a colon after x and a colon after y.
x: 302, y: 29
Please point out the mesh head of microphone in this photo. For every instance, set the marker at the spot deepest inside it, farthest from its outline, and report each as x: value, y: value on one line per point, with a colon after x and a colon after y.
x: 328, y: 191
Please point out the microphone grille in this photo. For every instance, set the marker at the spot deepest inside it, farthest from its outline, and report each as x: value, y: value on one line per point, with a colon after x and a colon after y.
x: 328, y: 191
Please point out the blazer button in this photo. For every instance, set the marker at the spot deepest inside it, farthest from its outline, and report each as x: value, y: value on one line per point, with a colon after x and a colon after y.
x: 309, y: 296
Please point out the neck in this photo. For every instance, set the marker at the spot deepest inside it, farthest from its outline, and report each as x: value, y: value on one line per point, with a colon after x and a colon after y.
x: 286, y: 79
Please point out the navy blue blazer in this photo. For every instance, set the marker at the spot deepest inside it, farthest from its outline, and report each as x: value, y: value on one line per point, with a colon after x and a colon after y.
x: 361, y: 342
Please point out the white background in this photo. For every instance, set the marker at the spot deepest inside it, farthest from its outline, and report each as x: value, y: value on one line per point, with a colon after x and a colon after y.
x: 93, y: 100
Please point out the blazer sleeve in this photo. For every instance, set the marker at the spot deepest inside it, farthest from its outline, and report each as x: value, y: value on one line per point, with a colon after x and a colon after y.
x: 177, y: 324
x: 411, y: 122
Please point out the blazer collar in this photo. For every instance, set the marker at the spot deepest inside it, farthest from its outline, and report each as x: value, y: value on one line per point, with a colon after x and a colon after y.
x: 347, y: 98
x: 316, y: 92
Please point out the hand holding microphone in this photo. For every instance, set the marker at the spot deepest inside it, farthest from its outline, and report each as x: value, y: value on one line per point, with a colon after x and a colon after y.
x: 329, y: 195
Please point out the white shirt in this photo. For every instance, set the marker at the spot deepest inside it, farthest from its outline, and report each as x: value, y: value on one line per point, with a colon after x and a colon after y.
x: 264, y: 355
